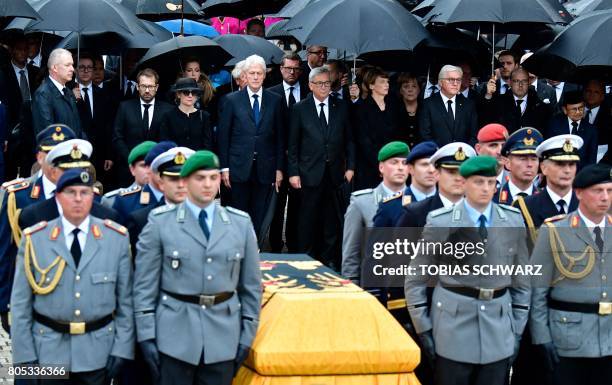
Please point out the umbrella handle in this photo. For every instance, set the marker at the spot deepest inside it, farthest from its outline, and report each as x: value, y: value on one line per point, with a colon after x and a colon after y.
x: 493, y: 53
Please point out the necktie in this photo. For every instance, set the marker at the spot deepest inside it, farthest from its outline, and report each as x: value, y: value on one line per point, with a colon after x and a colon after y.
x: 256, y: 109
x: 129, y: 89
x: 433, y: 90
x: 482, y: 229
x: 588, y: 115
x: 145, y: 116
x: 598, y: 239
x: 202, y: 219
x: 291, y: 97
x: 23, y: 86
x: 574, y: 128
x: 505, y: 88
x: 86, y: 99
x: 322, y: 116
x: 561, y: 204
x: 522, y: 194
x: 519, y: 103
x: 75, y: 248
x: 66, y: 93
x: 450, y: 110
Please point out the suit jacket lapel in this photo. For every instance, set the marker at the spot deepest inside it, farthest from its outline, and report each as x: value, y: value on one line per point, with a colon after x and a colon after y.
x: 91, y: 248
x: 246, y: 103
x: 443, y: 110
x: 458, y: 110
x: 59, y: 248
x: 331, y: 119
x: 219, y: 226
x: 584, y: 232
x: 315, y: 109
x: 190, y: 225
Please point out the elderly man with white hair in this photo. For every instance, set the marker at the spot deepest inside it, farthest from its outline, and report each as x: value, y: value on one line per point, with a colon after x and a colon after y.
x: 448, y: 116
x: 239, y: 75
x: 252, y: 142
x: 53, y: 102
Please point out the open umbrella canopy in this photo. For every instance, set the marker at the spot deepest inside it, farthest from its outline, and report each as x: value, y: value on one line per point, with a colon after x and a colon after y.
x: 190, y: 27
x: 157, y: 10
x: 293, y: 7
x: 358, y: 26
x: 241, y: 9
x: 87, y: 16
x: 582, y: 51
x: 242, y: 46
x: 17, y: 8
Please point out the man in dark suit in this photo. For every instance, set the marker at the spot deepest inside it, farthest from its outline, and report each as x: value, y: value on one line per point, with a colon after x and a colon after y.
x: 138, y: 120
x: 518, y: 108
x: 316, y: 56
x: 94, y: 111
x: 292, y: 92
x: 53, y: 102
x: 572, y: 122
x: 321, y: 157
x: 508, y: 62
x: 560, y: 89
x: 598, y: 111
x: 448, y: 116
x: 252, y: 143
x: 466, y: 88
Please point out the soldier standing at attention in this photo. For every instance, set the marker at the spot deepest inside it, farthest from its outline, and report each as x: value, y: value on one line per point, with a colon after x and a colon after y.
x: 72, y: 295
x: 471, y: 329
x: 571, y: 318
x: 197, y: 283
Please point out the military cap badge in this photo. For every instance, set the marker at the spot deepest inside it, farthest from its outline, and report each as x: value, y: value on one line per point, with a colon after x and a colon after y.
x: 75, y: 153
x: 460, y: 155
x: 58, y: 135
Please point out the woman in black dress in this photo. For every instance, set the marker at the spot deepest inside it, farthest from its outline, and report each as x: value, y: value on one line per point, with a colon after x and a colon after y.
x: 186, y: 125
x: 407, y: 129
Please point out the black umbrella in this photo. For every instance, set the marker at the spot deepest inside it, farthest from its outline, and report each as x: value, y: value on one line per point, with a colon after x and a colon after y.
x: 241, y: 9
x: 277, y: 30
x: 157, y: 10
x: 17, y: 8
x: 241, y: 46
x: 582, y: 51
x: 357, y: 26
x: 424, y: 7
x: 597, y: 5
x: 293, y: 7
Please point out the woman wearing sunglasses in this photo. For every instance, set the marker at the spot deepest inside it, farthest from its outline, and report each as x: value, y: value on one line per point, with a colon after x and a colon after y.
x: 185, y: 124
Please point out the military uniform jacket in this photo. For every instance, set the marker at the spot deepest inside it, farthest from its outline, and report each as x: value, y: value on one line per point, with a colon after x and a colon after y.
x: 130, y: 200
x: 466, y: 329
x: 174, y: 256
x: 104, y: 285
x: 358, y: 217
x: 540, y: 207
x: 390, y: 209
x: 573, y: 334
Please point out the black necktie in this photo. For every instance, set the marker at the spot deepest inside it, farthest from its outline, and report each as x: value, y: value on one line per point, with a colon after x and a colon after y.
x: 587, y: 115
x: 202, y: 219
x: 145, y: 116
x: 482, y: 229
x: 598, y: 239
x: 522, y: 194
x: 451, y: 116
x: 561, y: 204
x: 291, y: 97
x: 433, y: 90
x: 519, y: 102
x: 23, y: 85
x: 506, y: 88
x: 75, y: 248
x: 86, y: 99
x: 574, y: 128
x: 322, y: 116
x: 129, y: 90
x: 66, y: 93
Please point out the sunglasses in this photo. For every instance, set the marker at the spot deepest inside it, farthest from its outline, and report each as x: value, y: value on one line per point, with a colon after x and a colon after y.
x: 190, y: 92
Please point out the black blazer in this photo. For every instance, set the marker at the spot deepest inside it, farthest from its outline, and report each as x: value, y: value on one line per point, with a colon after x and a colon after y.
x: 50, y: 106
x: 13, y: 92
x: 279, y: 89
x: 415, y: 214
x: 98, y: 127
x: 312, y: 147
x: 240, y: 140
x: 191, y: 131
x: 137, y: 220
x: 435, y: 124
x: 541, y: 206
x: 545, y: 92
x: 129, y: 130
x: 502, y: 109
x: 559, y: 125
x: 47, y: 210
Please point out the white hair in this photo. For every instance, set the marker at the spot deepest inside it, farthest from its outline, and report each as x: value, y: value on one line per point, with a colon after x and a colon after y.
x: 318, y: 71
x: 238, y: 68
x: 254, y: 60
x: 56, y: 55
x: 448, y: 68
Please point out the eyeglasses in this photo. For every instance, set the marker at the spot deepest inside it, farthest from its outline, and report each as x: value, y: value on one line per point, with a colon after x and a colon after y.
x: 520, y: 82
x: 86, y: 68
x: 576, y: 109
x: 322, y: 84
x: 292, y: 69
x: 453, y: 80
x: 73, y: 194
x: 146, y: 87
x: 190, y: 92
x: 318, y: 53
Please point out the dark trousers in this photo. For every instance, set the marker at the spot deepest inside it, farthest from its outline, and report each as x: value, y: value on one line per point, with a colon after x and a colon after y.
x: 529, y: 366
x: 252, y: 197
x: 96, y: 377
x: 449, y: 372
x: 177, y: 372
x: 319, y: 223
x: 583, y: 371
x: 290, y: 198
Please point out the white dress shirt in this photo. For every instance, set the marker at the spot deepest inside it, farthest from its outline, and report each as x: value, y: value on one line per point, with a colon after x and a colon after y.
x: 447, y: 202
x: 18, y: 74
x: 593, y: 114
x: 389, y: 192
x: 252, y: 99
x: 514, y: 190
x: 558, y: 90
x: 429, y: 90
x: 59, y: 86
x: 591, y: 225
x: 36, y: 60
x: 523, y: 104
x: 151, y: 109
x: 325, y: 107
x: 82, y: 235
x: 296, y: 91
x: 555, y: 198
x: 453, y: 106
x: 502, y: 89
x: 89, y: 94
x: 48, y: 187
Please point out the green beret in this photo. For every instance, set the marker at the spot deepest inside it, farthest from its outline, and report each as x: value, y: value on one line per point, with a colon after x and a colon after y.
x: 200, y: 160
x: 393, y: 150
x: 482, y: 165
x: 140, y: 151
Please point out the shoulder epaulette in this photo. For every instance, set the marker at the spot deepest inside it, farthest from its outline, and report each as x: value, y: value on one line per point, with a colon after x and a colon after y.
x: 440, y: 211
x: 112, y: 193
x: 130, y: 191
x: 392, y: 197
x: 18, y: 186
x: 555, y: 218
x: 9, y: 183
x: 37, y: 227
x: 163, y: 209
x: 509, y: 208
x: 237, y: 212
x: 115, y: 226
x: 361, y: 192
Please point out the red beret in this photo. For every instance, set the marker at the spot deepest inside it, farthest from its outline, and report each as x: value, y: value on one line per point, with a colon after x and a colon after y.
x: 493, y: 132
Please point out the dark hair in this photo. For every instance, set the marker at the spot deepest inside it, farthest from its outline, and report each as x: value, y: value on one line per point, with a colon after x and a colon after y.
x: 86, y: 55
x: 339, y: 65
x: 290, y: 56
x: 572, y: 97
x: 255, y: 21
x: 507, y: 52
x: 405, y: 77
x: 148, y: 72
x: 373, y: 74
